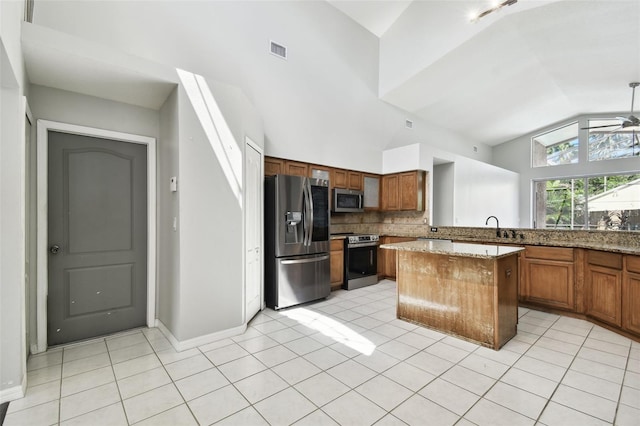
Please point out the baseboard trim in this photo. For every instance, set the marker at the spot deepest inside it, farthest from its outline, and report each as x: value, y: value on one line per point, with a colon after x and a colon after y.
x: 16, y: 392
x: 200, y: 340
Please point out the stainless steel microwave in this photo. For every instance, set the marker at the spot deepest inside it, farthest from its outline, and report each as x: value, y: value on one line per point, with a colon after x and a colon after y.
x: 347, y: 201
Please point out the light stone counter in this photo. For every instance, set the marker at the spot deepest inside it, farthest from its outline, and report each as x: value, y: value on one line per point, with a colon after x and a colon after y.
x: 484, y: 251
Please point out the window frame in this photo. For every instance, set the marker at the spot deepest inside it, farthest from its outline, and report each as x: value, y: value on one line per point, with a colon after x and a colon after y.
x: 575, y: 122
x: 585, y: 179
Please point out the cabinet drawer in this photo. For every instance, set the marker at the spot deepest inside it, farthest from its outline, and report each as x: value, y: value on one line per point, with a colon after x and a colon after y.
x: 549, y: 253
x: 608, y: 260
x: 633, y: 264
x: 337, y: 244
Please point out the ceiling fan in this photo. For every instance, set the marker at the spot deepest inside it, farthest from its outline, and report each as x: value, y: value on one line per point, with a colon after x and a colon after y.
x: 625, y: 122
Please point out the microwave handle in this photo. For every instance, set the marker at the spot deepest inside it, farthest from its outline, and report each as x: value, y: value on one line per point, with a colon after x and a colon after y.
x: 361, y: 201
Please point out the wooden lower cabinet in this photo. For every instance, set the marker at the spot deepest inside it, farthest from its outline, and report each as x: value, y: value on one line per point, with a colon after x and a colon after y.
x: 603, y: 287
x: 547, y: 277
x: 337, y: 263
x: 387, y: 258
x: 631, y: 302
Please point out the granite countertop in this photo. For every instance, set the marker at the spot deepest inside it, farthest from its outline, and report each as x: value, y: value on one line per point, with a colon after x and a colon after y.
x: 455, y: 249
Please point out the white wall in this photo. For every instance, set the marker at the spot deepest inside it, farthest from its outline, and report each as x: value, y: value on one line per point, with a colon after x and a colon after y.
x: 482, y: 190
x: 168, y: 277
x: 12, y: 228
x: 211, y: 218
x: 320, y: 105
x: 73, y: 108
x: 443, y: 192
x: 516, y: 156
x: 479, y: 189
x: 401, y: 159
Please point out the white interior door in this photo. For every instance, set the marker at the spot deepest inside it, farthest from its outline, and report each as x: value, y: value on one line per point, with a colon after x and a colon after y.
x: 253, y: 230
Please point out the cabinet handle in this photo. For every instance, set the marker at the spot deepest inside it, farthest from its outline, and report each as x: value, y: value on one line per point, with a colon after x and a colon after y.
x: 507, y: 272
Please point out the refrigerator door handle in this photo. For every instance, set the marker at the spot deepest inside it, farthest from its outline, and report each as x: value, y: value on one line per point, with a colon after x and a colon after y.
x: 310, y: 212
x: 305, y: 260
x: 305, y: 208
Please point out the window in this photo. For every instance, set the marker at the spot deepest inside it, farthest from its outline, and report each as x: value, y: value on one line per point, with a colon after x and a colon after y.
x: 608, y: 143
x: 559, y: 146
x: 597, y: 202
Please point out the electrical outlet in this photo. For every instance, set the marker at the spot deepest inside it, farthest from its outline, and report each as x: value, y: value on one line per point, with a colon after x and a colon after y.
x: 434, y: 229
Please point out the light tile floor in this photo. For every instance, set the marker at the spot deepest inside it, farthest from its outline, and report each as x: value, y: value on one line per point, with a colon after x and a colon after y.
x: 345, y: 360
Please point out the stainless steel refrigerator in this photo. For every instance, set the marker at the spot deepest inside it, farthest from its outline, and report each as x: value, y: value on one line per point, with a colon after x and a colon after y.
x: 296, y: 227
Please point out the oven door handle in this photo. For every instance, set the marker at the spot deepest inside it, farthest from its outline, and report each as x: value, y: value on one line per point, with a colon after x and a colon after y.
x: 357, y: 245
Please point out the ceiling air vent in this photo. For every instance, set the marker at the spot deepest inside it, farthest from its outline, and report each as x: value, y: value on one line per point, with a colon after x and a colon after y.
x: 408, y: 124
x: 278, y: 50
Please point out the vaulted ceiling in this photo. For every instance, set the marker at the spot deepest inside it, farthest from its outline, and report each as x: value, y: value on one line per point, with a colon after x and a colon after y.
x: 519, y: 69
x: 516, y: 70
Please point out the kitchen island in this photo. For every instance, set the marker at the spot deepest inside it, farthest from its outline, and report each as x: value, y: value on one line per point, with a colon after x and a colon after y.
x: 466, y: 290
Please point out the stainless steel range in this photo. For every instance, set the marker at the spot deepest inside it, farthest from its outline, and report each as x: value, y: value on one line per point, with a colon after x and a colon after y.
x: 361, y: 260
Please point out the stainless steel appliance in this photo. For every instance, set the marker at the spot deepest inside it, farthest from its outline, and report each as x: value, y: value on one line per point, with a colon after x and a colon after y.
x: 361, y: 261
x: 347, y: 201
x: 296, y: 226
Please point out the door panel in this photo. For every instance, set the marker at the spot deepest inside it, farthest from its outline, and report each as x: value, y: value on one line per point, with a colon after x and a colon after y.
x: 98, y: 217
x: 99, y: 197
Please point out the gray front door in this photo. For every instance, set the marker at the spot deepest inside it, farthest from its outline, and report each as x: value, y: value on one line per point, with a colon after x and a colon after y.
x: 97, y: 216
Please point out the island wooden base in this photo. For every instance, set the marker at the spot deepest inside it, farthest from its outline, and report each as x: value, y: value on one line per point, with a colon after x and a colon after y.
x: 469, y: 297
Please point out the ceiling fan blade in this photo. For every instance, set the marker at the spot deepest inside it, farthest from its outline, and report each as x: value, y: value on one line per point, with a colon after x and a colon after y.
x: 600, y: 127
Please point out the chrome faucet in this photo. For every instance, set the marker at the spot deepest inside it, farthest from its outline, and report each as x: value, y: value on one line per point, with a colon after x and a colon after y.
x: 497, y: 225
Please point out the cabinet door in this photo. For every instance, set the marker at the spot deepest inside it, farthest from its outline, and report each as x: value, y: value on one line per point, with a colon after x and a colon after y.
x: 391, y: 255
x: 411, y: 187
x: 631, y: 302
x: 382, y: 256
x: 320, y: 172
x: 355, y: 181
x: 371, y: 185
x: 273, y: 166
x: 296, y: 168
x: 340, y: 178
x: 604, y: 294
x: 390, y: 200
x: 549, y: 283
x: 408, y: 191
x: 337, y: 263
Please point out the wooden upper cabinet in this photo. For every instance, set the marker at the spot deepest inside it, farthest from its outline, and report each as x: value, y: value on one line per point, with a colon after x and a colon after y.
x: 273, y: 166
x: 371, y: 188
x: 355, y: 181
x: 296, y: 168
x: 390, y: 192
x: 320, y: 172
x: 340, y: 178
x: 412, y: 190
x: 403, y: 191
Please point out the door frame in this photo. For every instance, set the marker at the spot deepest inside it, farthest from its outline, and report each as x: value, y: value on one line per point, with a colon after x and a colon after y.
x: 43, y: 128
x: 28, y: 236
x: 250, y: 143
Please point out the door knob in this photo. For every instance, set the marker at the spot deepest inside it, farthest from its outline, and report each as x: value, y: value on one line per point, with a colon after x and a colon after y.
x: 54, y: 249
